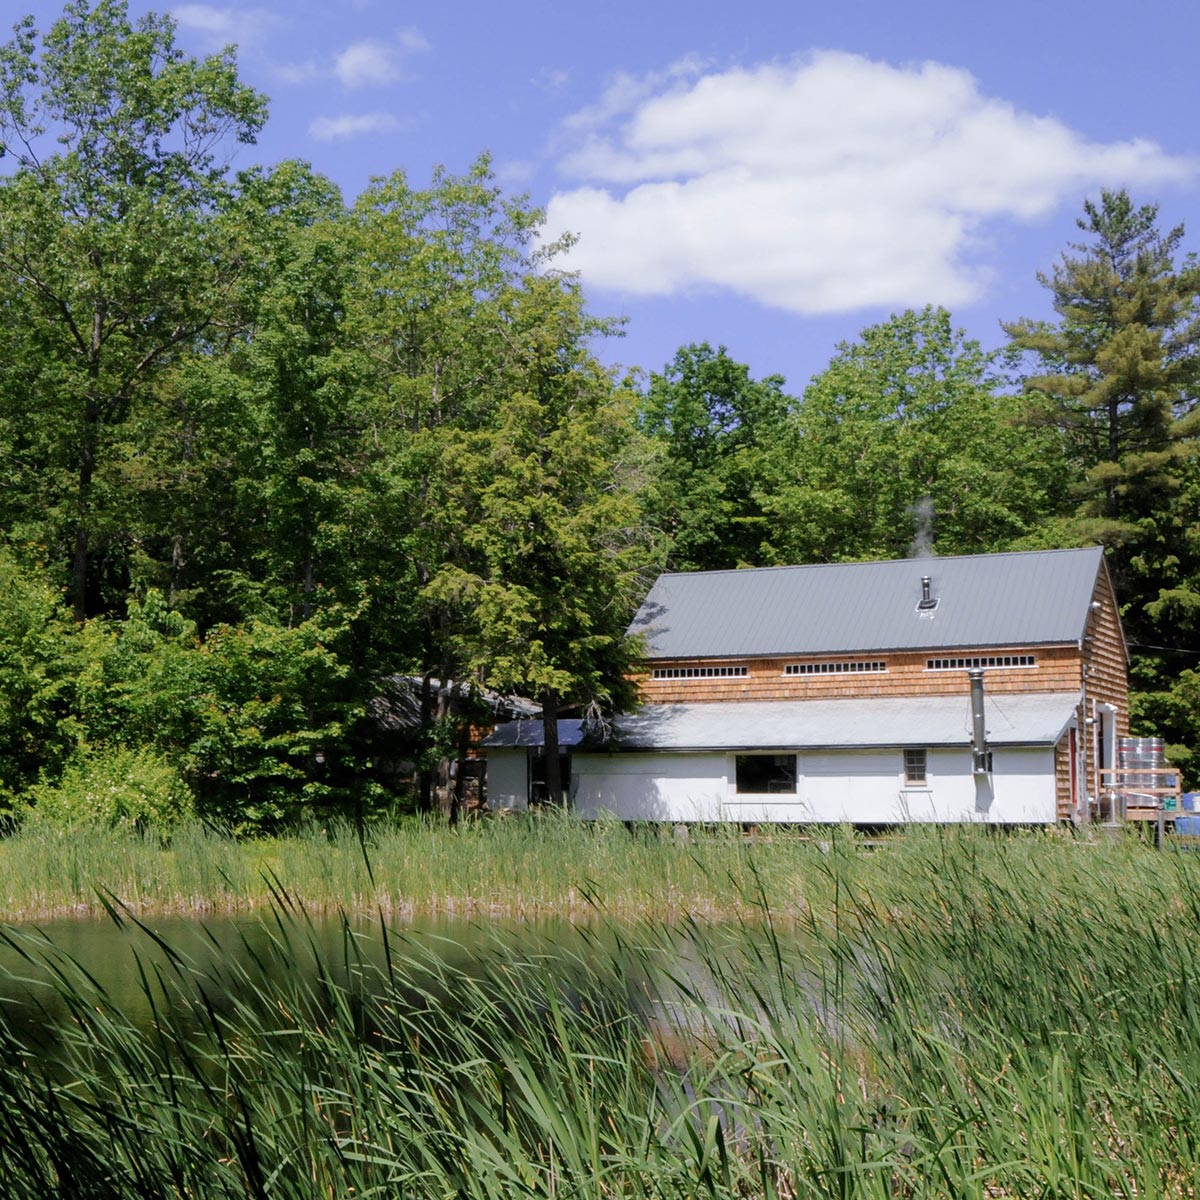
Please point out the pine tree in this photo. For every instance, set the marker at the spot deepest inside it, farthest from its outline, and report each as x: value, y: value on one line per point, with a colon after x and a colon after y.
x: 1119, y: 374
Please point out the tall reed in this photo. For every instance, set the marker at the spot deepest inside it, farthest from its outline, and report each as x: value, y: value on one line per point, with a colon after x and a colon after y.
x: 959, y: 1016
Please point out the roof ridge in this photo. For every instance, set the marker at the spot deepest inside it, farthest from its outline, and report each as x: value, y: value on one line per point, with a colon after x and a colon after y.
x: 884, y: 562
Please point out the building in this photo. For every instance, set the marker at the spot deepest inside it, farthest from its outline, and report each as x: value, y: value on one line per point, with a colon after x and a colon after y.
x: 843, y: 693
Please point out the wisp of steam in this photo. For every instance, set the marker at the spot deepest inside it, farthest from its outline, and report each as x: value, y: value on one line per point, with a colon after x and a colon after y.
x: 922, y: 543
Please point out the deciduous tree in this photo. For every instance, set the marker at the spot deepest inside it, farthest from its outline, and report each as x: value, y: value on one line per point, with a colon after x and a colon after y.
x: 111, y: 259
x: 712, y: 423
x: 905, y: 444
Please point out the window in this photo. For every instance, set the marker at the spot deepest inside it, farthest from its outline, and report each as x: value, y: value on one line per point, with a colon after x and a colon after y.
x: 914, y: 768
x: 848, y: 667
x: 981, y: 660
x: 699, y: 672
x: 766, y: 774
x: 538, y: 793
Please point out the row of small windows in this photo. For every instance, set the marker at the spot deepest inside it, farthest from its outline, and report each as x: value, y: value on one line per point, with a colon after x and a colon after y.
x: 699, y: 672
x: 835, y: 668
x: 851, y: 667
x: 981, y: 660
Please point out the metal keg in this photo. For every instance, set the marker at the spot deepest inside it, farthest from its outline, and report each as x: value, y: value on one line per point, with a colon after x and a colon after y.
x: 1142, y: 754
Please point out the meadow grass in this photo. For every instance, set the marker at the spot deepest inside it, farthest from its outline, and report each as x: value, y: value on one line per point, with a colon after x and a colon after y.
x: 952, y: 1015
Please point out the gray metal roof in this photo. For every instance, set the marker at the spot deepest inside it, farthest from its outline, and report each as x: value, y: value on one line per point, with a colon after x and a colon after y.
x: 1036, y: 719
x: 1038, y: 597
x: 1020, y: 720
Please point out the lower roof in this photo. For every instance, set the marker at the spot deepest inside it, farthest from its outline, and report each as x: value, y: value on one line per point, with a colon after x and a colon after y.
x: 1025, y: 719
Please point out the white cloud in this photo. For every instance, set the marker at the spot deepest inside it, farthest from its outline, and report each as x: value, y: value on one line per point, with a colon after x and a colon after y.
x: 370, y: 62
x: 303, y: 72
x: 824, y: 185
x: 412, y: 41
x: 515, y: 172
x: 219, y: 26
x: 625, y: 92
x: 329, y: 129
x: 363, y: 64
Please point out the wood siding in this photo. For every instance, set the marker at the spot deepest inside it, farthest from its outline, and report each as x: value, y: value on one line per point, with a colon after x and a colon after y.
x: 1057, y: 670
x: 1062, y: 778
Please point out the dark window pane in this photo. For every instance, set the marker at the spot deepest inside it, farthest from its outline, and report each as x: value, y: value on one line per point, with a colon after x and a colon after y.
x: 762, y: 774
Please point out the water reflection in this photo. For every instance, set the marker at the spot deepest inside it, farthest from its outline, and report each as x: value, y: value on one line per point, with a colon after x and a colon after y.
x: 141, y: 968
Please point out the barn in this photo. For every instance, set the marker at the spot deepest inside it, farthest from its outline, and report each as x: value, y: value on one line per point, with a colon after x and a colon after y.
x: 985, y: 688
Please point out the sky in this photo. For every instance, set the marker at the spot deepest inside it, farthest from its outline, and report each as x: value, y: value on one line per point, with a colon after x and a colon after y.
x: 770, y: 175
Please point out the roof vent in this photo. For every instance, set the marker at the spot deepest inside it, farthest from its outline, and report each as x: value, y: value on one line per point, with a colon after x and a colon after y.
x: 928, y: 602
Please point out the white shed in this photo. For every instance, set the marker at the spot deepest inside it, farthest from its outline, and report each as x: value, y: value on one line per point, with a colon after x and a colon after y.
x: 868, y: 762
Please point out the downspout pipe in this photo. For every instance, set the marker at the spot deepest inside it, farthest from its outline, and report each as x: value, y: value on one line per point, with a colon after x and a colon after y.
x: 980, y: 764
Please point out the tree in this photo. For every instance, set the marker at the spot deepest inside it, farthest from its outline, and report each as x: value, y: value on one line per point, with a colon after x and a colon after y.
x: 1120, y: 368
x: 1119, y: 374
x: 427, y: 332
x: 711, y: 422
x: 548, y: 499
x: 905, y: 444
x: 111, y: 256
x: 241, y: 454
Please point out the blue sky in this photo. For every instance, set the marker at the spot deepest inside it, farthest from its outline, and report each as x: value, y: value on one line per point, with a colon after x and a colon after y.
x: 772, y: 176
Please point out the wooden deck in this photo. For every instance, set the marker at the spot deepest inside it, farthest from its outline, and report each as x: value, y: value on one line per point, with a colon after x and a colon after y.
x: 1130, y: 798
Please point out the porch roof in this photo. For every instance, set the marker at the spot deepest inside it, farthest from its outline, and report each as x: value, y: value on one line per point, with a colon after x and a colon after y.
x: 1023, y: 719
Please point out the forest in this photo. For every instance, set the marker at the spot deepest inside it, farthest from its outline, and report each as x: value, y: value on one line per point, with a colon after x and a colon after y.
x: 264, y: 449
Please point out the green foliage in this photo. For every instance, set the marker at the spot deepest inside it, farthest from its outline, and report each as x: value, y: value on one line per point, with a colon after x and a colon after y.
x: 713, y: 425
x: 905, y: 444
x: 556, y: 550
x: 135, y: 787
x: 1119, y: 374
x: 268, y: 724
x: 112, y: 261
x: 258, y: 717
x: 40, y: 658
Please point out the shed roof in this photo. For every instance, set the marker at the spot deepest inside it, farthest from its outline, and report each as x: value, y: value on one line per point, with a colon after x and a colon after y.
x: 530, y: 732
x: 1024, y: 719
x: 1027, y: 598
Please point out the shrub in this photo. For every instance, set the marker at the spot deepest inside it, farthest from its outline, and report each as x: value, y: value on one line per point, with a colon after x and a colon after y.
x: 40, y: 661
x: 114, y: 787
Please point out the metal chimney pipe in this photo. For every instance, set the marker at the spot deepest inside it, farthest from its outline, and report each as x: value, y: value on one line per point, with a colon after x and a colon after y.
x: 979, y: 752
x: 927, y: 600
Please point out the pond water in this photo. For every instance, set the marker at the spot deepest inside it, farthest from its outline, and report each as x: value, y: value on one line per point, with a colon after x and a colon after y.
x: 143, y: 969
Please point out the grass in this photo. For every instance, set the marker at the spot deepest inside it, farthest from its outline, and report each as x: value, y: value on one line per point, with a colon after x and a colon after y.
x: 519, y: 868
x: 954, y: 1015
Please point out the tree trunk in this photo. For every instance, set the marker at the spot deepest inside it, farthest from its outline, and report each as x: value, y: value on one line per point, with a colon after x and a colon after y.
x: 425, y: 786
x: 554, y: 791
x: 460, y: 775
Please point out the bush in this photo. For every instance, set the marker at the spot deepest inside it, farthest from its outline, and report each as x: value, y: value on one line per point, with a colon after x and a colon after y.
x: 135, y: 787
x: 40, y: 662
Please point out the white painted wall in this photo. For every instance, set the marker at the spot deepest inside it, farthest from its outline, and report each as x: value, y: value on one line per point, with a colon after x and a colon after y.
x: 508, y: 778
x: 862, y: 787
x: 649, y: 787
